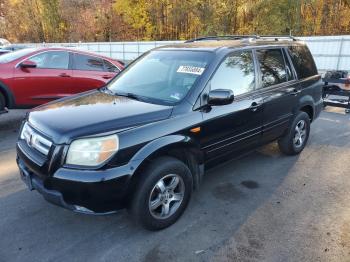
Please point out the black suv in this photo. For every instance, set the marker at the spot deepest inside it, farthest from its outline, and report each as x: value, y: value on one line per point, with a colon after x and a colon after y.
x: 145, y: 139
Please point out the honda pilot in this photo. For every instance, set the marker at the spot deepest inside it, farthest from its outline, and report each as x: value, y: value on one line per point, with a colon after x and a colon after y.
x: 145, y: 139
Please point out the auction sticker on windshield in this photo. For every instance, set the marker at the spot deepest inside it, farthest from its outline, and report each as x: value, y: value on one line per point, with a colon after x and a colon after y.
x: 191, y: 70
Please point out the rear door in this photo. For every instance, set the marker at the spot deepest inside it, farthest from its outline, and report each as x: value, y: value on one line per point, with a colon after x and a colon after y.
x: 236, y: 127
x: 309, y: 79
x: 278, y: 89
x: 90, y: 72
x: 48, y: 81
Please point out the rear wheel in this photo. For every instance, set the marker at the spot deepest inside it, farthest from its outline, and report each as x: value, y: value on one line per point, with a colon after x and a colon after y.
x: 162, y: 193
x: 297, y: 136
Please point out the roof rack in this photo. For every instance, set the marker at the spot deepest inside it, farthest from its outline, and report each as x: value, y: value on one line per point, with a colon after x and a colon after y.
x: 238, y: 37
x: 222, y: 37
x: 278, y: 37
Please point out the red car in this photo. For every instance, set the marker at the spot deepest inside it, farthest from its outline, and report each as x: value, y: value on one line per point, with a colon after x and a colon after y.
x: 31, y: 77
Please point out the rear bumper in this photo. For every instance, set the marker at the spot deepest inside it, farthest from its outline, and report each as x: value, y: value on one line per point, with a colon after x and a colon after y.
x: 83, y: 191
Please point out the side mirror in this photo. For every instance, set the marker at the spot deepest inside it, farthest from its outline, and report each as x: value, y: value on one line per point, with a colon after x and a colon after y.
x: 27, y: 64
x: 220, y: 97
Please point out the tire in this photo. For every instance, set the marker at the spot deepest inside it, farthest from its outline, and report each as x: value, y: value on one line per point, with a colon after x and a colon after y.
x: 149, y: 190
x: 2, y: 102
x: 289, y: 144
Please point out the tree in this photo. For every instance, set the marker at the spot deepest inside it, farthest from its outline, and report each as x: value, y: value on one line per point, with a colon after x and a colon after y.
x: 111, y: 20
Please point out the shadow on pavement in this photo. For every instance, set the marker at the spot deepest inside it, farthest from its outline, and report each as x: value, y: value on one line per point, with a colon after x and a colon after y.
x: 41, y: 231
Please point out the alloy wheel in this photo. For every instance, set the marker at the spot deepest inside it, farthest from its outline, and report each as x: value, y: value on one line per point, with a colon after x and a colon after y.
x: 166, y: 196
x: 300, y: 134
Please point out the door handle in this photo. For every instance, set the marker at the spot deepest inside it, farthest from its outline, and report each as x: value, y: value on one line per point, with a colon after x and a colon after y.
x: 254, y: 106
x: 64, y: 75
x: 295, y: 92
x: 107, y: 76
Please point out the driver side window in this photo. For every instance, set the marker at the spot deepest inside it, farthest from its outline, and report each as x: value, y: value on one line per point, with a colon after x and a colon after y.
x: 236, y: 73
x: 52, y: 60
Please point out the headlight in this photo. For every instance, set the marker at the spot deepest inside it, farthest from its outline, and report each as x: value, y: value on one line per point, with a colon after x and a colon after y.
x: 92, y: 151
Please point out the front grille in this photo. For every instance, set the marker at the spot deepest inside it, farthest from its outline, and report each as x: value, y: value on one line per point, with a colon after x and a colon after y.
x: 26, y: 152
x: 35, y: 140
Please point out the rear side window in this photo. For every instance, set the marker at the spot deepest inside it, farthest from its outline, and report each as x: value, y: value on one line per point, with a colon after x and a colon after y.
x: 87, y: 63
x: 303, y: 62
x: 110, y: 67
x: 235, y: 73
x: 272, y: 66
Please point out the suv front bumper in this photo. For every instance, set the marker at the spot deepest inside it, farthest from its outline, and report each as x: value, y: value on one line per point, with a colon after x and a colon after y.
x: 85, y: 191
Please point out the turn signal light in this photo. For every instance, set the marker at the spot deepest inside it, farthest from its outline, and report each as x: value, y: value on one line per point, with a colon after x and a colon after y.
x: 195, y: 130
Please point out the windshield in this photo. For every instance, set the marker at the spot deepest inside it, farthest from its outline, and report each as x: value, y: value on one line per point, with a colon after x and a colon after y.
x: 163, y: 76
x: 12, y: 56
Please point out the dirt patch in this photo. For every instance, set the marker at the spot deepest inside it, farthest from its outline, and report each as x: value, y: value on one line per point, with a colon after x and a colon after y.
x: 227, y: 191
x: 250, y: 184
x: 345, y: 235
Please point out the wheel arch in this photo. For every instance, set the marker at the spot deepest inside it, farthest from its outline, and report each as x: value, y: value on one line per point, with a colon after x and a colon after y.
x: 307, y: 105
x: 6, y: 92
x: 181, y: 147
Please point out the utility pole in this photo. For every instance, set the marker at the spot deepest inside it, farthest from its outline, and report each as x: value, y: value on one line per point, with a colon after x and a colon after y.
x: 298, y: 16
x: 111, y: 13
x: 294, y: 11
x: 2, y: 17
x: 290, y: 12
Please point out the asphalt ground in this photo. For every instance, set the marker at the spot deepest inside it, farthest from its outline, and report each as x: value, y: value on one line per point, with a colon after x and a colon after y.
x: 263, y: 207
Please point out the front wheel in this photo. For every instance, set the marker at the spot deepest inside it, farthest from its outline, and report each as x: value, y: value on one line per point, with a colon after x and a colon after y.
x: 2, y: 103
x: 294, y: 141
x: 162, y: 193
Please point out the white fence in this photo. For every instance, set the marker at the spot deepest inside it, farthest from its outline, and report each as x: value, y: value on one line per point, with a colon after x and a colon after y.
x: 330, y: 52
x: 126, y: 51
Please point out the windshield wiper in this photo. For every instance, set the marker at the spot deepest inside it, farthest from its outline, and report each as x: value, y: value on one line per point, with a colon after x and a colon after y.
x: 131, y: 95
x: 141, y: 98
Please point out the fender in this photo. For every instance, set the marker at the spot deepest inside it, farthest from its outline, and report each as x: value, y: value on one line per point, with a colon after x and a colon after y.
x: 10, y: 100
x: 307, y: 100
x: 163, y: 142
x: 195, y: 159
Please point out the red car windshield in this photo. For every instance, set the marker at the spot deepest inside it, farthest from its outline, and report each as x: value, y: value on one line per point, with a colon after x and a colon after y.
x: 12, y: 56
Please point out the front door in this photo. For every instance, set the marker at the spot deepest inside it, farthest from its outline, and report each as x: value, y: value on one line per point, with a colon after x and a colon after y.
x: 48, y: 81
x: 236, y: 127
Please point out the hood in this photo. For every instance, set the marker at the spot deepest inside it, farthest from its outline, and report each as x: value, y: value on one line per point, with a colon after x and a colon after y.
x: 93, y: 113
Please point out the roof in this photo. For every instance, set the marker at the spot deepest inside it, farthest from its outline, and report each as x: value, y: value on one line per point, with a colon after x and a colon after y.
x: 44, y: 48
x: 213, y: 44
